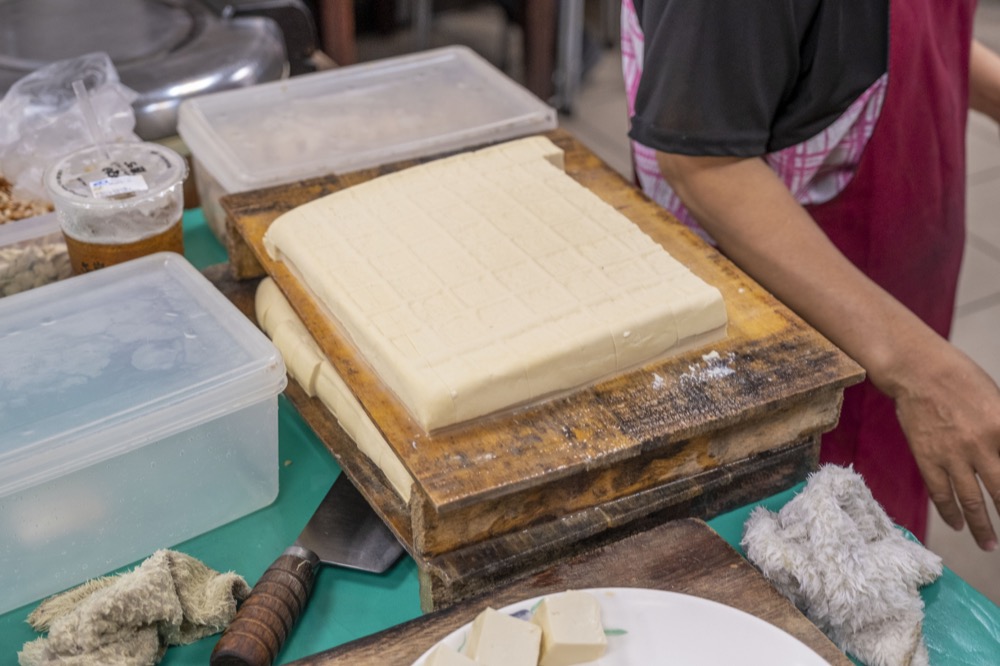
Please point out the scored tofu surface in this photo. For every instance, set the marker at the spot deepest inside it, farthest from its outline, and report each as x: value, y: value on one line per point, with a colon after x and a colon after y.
x: 490, y: 279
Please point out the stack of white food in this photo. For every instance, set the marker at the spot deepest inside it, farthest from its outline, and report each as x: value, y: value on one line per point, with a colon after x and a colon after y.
x: 307, y: 365
x: 565, y: 629
x: 491, y: 279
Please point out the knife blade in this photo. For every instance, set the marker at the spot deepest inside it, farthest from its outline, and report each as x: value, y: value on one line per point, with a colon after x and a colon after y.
x: 344, y: 531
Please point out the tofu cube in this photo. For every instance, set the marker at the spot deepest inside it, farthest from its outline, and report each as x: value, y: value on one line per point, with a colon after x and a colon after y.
x: 572, y: 632
x: 497, y: 639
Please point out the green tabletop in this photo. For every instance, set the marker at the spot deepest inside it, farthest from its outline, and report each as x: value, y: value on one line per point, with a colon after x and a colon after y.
x: 961, y: 627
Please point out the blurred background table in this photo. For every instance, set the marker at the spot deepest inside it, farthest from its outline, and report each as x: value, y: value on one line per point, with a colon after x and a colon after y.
x: 553, y: 36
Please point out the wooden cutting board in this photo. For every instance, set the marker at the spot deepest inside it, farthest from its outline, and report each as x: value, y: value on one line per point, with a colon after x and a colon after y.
x: 683, y: 556
x: 692, y: 434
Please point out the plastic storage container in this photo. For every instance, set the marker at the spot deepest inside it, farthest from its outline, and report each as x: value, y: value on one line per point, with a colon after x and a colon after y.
x: 351, y: 118
x: 138, y: 408
x: 32, y: 254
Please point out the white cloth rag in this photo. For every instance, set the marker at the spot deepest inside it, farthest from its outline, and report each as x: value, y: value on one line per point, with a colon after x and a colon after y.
x: 130, y: 619
x: 835, y: 553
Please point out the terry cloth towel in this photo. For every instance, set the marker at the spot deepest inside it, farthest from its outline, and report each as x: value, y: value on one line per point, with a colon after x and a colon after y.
x: 835, y: 553
x: 131, y: 618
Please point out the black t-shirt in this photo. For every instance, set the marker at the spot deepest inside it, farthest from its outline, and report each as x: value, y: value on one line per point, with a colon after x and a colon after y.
x: 749, y: 77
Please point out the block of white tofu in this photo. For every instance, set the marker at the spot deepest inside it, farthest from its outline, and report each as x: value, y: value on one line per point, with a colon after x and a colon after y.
x: 572, y: 632
x: 498, y: 639
x: 309, y: 366
x: 491, y: 279
x: 279, y: 321
x: 447, y: 656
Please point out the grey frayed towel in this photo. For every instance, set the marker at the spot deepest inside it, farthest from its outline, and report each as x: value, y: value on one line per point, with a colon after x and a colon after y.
x: 130, y: 619
x: 834, y: 552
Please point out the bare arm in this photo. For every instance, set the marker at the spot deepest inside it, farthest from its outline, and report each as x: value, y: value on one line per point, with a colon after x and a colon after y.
x: 984, y: 80
x: 948, y: 407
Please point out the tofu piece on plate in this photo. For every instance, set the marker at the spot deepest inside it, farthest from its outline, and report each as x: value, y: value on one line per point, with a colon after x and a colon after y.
x: 498, y: 639
x: 572, y: 632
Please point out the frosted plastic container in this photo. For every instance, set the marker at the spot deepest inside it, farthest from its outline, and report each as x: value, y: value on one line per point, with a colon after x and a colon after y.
x: 138, y: 408
x: 32, y: 254
x: 351, y: 118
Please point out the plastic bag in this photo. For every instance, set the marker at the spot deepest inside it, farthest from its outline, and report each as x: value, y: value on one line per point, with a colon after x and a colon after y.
x: 41, y: 118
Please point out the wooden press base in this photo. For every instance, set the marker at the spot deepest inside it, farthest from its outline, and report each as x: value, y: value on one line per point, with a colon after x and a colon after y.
x: 683, y: 556
x: 472, y: 570
x: 501, y: 496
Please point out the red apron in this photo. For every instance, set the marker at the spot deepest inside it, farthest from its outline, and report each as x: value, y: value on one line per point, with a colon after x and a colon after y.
x: 902, y: 221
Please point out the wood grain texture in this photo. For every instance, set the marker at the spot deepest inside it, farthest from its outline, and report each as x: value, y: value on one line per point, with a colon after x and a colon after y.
x: 266, y: 617
x: 475, y: 568
x: 469, y: 571
x: 683, y: 556
x: 631, y: 440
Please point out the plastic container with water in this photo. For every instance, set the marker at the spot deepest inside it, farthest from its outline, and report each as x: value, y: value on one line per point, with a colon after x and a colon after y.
x: 138, y: 409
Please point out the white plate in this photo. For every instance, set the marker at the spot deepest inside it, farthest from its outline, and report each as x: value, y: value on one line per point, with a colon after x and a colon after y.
x: 655, y: 627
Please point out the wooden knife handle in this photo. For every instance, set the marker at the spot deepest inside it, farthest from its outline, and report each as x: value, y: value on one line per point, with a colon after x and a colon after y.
x: 263, y: 622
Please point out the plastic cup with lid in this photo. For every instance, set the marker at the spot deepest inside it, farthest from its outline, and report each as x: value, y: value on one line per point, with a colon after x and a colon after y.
x: 118, y: 201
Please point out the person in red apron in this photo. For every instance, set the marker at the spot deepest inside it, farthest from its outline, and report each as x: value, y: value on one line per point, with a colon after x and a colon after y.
x: 821, y: 145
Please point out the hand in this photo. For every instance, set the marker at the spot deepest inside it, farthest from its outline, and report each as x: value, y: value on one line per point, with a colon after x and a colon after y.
x: 949, y: 409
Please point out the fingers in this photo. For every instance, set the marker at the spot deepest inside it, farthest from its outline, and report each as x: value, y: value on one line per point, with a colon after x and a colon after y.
x: 960, y: 499
x: 941, y: 494
x: 982, y: 464
x: 989, y: 475
x: 970, y: 496
x: 952, y: 422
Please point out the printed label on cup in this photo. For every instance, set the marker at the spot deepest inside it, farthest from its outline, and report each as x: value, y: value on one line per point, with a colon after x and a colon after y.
x: 117, y: 186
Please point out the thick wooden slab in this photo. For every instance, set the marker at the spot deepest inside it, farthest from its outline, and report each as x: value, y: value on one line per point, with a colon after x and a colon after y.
x: 644, y: 443
x: 475, y: 568
x: 684, y: 556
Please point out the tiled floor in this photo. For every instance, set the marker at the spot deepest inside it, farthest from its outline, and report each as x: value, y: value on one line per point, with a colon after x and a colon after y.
x: 599, y: 119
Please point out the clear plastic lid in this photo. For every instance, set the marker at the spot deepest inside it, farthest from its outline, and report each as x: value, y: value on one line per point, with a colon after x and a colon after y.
x: 108, y: 361
x: 113, y: 175
x: 358, y: 117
